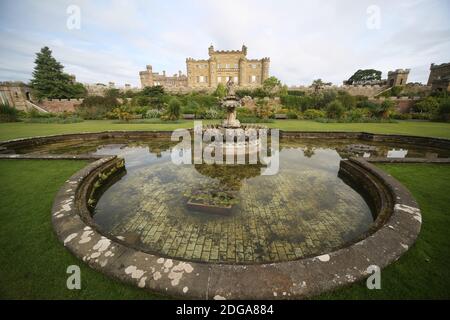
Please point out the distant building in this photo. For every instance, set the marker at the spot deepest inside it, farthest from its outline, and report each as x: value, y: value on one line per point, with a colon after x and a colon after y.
x: 150, y: 79
x: 439, y: 78
x: 220, y: 67
x: 398, y: 77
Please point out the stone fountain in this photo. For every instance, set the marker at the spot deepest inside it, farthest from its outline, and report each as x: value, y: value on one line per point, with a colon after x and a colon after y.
x: 230, y: 103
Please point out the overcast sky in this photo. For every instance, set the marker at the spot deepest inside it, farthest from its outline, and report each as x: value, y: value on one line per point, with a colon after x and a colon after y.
x: 305, y: 40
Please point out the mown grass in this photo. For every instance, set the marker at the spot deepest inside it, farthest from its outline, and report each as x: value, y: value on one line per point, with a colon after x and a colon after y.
x: 33, y: 262
x: 422, y: 273
x: 420, y: 128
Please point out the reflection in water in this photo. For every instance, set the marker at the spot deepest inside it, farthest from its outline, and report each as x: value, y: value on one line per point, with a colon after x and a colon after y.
x: 303, y: 210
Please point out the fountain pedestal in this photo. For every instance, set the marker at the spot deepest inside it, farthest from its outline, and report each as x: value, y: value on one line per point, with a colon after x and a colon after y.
x: 231, y: 121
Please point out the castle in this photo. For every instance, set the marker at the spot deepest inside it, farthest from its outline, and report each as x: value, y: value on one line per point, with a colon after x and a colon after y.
x: 220, y: 67
x: 439, y: 78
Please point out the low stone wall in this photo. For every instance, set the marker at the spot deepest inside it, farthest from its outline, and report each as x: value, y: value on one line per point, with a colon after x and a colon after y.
x: 9, y: 146
x: 414, y: 140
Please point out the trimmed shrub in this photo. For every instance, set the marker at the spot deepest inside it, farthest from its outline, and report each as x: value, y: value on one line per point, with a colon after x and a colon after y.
x: 357, y: 115
x: 292, y: 115
x: 173, y: 110
x: 313, y: 114
x: 96, y: 107
x: 335, y: 110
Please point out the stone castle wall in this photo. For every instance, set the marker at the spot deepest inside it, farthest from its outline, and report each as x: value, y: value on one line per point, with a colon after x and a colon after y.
x: 354, y: 90
x: 15, y: 94
x: 60, y: 105
x: 438, y: 72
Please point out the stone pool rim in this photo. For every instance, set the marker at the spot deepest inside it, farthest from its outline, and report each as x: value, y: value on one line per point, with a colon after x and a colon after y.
x: 198, y: 280
x: 433, y: 142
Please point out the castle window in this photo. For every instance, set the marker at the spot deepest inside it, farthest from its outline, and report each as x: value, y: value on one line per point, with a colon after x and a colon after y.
x: 236, y: 66
x: 236, y: 80
x: 254, y: 66
x: 218, y: 66
x: 227, y: 66
x: 219, y: 79
x: 253, y: 79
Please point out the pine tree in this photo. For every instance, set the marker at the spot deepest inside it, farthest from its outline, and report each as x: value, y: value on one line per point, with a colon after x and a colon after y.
x: 49, y: 80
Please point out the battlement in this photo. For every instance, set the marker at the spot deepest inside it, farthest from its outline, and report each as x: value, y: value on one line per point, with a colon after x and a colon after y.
x: 13, y: 84
x: 438, y: 66
x: 399, y: 71
x: 212, y: 51
x: 197, y: 60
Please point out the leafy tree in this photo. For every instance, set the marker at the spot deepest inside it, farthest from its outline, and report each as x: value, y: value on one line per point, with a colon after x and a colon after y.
x: 335, y: 110
x: 141, y: 101
x: 347, y: 100
x: 263, y: 110
x: 113, y: 93
x: 444, y: 109
x: 154, y: 91
x: 382, y: 110
x: 317, y: 84
x: 429, y: 104
x: 365, y: 75
x: 221, y: 91
x: 49, y: 80
x: 271, y: 83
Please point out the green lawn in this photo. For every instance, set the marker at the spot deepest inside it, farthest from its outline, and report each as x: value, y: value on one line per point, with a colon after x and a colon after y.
x: 33, y: 262
x: 420, y: 128
x: 422, y: 273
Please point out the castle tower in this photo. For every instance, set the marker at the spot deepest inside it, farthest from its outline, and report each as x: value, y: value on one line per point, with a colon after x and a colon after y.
x: 438, y: 72
x: 398, y: 77
x: 265, y: 69
x: 213, y: 72
x: 146, y: 77
x: 242, y: 72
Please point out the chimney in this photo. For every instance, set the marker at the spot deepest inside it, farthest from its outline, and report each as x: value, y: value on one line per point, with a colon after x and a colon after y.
x: 164, y: 73
x: 179, y: 73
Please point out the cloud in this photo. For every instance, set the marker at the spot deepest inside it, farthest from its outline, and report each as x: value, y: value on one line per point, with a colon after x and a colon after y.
x: 305, y: 40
